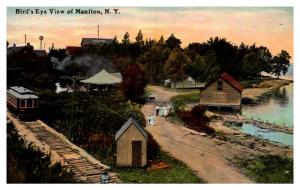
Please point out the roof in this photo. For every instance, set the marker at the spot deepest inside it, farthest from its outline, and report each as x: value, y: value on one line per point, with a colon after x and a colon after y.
x: 40, y: 53
x: 127, y: 125
x: 234, y: 83
x: 103, y: 77
x: 95, y: 41
x: 21, y: 92
x: 72, y: 49
x: 230, y: 80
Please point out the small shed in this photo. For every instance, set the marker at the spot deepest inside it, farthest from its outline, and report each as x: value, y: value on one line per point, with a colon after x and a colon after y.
x: 131, y: 140
x: 222, y: 92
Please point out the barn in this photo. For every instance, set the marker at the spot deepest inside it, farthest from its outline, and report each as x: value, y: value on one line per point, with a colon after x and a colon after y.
x: 223, y: 92
x: 131, y: 141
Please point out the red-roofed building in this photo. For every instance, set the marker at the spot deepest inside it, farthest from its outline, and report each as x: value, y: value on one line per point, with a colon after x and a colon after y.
x: 72, y: 50
x: 223, y: 92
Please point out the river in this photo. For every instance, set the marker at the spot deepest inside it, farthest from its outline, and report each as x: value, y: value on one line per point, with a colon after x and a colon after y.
x: 278, y: 109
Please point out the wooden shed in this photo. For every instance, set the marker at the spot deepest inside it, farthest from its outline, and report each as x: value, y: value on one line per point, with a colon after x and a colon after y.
x: 131, y: 140
x: 223, y: 92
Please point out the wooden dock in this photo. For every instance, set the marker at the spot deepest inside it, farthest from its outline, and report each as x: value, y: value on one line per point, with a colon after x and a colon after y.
x: 75, y: 159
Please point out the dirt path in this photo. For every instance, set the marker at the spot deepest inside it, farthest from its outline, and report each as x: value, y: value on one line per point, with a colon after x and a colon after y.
x: 163, y: 95
x: 201, y: 153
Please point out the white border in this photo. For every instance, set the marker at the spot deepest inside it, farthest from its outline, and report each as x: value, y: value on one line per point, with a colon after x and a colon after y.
x: 151, y: 3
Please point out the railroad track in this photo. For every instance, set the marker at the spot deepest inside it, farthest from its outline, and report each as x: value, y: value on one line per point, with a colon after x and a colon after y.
x: 84, y: 169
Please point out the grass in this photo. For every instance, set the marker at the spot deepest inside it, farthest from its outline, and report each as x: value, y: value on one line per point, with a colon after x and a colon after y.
x: 269, y: 169
x: 176, y: 172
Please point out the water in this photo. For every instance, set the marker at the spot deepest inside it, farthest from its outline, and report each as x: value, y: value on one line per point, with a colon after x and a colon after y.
x: 283, y: 138
x: 276, y: 109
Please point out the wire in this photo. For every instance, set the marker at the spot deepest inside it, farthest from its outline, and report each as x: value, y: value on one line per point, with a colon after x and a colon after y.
x: 112, y: 111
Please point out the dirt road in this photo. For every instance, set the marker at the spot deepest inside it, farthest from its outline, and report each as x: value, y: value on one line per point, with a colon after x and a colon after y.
x: 201, y: 153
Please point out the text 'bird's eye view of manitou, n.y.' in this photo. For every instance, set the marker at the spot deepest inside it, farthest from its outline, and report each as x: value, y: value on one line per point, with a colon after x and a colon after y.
x: 187, y: 95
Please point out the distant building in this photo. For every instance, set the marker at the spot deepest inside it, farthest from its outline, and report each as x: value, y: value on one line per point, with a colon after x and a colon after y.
x: 223, y: 92
x: 72, y: 50
x: 20, y: 54
x: 187, y: 83
x: 131, y: 140
x: 41, y: 56
x: 86, y: 42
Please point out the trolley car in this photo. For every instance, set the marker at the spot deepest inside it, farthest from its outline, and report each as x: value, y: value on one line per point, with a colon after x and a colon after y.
x: 22, y: 101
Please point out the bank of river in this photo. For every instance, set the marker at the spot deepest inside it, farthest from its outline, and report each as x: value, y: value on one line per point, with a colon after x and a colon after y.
x: 276, y: 108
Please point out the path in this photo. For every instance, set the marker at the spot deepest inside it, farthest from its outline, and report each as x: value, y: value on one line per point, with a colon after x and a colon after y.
x: 201, y: 153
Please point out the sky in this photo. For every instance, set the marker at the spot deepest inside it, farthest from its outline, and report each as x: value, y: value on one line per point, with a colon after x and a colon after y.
x: 266, y: 26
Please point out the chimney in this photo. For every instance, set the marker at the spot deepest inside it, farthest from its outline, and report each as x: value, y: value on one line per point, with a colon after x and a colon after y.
x: 14, y: 45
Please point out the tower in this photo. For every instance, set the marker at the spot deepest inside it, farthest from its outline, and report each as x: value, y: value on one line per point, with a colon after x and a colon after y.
x: 41, y: 38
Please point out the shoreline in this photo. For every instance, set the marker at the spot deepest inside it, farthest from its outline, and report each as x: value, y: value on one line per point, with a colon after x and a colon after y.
x: 254, y: 95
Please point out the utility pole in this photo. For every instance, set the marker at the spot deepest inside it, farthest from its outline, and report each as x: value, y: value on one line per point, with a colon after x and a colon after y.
x: 74, y: 79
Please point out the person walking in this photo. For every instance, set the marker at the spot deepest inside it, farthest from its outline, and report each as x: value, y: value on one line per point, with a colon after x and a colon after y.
x: 157, y: 110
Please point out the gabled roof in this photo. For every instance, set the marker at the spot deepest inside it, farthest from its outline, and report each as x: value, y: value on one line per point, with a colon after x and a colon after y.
x: 127, y: 125
x: 16, y: 49
x: 95, y: 41
x: 230, y: 80
x: 40, y: 53
x: 103, y: 77
x: 234, y: 83
x: 72, y: 49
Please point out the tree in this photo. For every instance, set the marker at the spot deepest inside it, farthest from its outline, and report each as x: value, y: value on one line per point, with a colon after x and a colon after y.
x: 161, y: 40
x: 174, y: 67
x: 173, y: 42
x: 197, y: 70
x: 250, y: 65
x: 134, y: 83
x: 152, y: 62
x: 115, y: 40
x: 139, y: 38
x: 126, y: 40
x: 265, y: 59
x: 281, y: 63
x: 213, y: 68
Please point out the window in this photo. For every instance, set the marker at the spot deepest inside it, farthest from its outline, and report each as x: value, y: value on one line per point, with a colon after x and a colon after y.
x: 29, y: 103
x: 22, y: 104
x: 220, y: 85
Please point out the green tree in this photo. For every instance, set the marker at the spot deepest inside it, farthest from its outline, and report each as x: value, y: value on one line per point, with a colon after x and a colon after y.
x: 265, y: 59
x: 153, y: 63
x: 126, y: 39
x: 161, y: 40
x: 213, y: 68
x: 174, y: 67
x: 281, y: 63
x: 197, y: 70
x: 250, y: 65
x: 139, y: 38
x: 115, y: 40
x: 173, y: 42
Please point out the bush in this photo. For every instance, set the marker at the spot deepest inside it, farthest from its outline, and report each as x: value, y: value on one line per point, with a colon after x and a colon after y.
x: 195, y: 121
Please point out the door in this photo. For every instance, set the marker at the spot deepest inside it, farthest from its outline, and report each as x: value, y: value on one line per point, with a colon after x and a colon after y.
x: 136, y: 153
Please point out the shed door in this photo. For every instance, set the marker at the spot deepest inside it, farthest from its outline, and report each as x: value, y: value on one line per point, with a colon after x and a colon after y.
x: 136, y: 153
